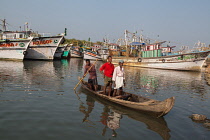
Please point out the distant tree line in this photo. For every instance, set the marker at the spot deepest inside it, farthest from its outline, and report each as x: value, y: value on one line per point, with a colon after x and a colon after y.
x: 81, y: 43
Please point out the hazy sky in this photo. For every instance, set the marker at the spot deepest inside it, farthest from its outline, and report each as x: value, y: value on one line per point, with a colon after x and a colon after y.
x: 182, y: 22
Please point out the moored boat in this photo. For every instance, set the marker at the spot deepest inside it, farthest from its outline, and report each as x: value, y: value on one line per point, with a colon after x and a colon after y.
x: 43, y: 48
x: 186, y: 62
x: 14, y: 49
x: 88, y: 54
x: 62, y: 52
x: 76, y: 52
x: 140, y: 52
x: 136, y: 102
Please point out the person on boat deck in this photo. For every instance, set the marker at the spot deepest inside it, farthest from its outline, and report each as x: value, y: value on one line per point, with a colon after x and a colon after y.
x: 107, y: 70
x: 118, y: 78
x: 92, y: 80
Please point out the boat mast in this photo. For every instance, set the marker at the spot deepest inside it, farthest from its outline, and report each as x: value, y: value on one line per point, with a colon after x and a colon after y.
x: 3, y: 25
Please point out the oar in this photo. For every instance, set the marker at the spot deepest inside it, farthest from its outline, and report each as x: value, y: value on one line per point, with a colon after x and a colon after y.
x: 85, y: 74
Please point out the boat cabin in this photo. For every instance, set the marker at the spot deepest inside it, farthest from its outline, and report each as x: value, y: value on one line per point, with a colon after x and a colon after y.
x: 15, y: 35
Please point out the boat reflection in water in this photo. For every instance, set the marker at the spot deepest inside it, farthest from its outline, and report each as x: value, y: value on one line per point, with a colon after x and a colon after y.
x: 11, y: 72
x: 112, y: 114
x: 151, y: 80
x: 47, y: 75
x: 207, y: 75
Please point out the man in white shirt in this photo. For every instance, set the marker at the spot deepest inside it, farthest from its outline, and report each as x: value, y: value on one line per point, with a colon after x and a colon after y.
x: 118, y: 78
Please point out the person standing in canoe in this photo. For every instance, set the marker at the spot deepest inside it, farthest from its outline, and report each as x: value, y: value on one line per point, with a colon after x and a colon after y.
x: 118, y: 78
x: 107, y: 70
x: 92, y: 80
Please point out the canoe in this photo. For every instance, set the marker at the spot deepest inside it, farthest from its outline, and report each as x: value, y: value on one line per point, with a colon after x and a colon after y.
x: 136, y: 102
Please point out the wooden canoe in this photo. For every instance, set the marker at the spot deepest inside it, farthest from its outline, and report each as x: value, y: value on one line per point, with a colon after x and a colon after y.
x: 137, y: 102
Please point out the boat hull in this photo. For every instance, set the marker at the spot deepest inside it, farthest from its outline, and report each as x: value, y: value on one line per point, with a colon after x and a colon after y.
x: 185, y: 66
x: 43, y: 48
x: 185, y: 62
x: 13, y: 49
x: 91, y: 55
x: 75, y: 54
x: 148, y: 106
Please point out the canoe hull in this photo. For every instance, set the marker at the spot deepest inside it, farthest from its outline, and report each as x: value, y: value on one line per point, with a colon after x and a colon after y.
x: 148, y: 106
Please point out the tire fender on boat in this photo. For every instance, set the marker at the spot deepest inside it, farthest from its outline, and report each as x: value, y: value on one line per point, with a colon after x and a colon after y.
x: 163, y: 60
x: 25, y: 52
x: 139, y: 59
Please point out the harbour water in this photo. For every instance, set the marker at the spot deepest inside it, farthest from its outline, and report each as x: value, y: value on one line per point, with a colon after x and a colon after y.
x: 38, y: 102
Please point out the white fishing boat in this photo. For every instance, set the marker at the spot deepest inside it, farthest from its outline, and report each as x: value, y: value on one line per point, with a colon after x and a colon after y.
x: 175, y: 62
x: 97, y: 52
x: 40, y: 48
x: 43, y: 48
x: 103, y: 53
x: 13, y: 49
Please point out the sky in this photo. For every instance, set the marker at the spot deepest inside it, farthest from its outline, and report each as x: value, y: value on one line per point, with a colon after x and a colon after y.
x: 182, y: 22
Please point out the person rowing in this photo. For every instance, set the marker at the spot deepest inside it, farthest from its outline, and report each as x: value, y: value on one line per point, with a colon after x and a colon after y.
x: 92, y: 80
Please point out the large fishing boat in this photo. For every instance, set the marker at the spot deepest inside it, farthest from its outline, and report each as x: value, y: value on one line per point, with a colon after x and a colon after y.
x: 188, y: 61
x: 155, y: 55
x: 43, y: 48
x: 40, y: 47
x: 13, y: 49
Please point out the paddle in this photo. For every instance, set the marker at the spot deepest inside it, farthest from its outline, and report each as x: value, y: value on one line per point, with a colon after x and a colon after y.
x: 85, y: 74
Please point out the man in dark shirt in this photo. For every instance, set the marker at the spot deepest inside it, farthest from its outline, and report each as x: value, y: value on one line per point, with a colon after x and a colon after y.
x: 92, y: 80
x: 107, y: 70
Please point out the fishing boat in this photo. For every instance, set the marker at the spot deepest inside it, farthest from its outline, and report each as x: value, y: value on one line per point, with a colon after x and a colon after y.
x: 40, y: 47
x: 92, y: 55
x: 66, y: 53
x: 62, y: 52
x: 186, y: 62
x: 43, y: 48
x: 100, y: 54
x: 14, y: 49
x: 76, y: 52
x: 160, y: 55
x: 136, y: 102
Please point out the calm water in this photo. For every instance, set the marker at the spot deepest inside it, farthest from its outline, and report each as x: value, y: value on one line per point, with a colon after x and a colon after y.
x: 37, y: 102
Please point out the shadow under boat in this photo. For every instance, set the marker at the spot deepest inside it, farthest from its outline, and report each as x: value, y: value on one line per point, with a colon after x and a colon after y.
x: 158, y: 125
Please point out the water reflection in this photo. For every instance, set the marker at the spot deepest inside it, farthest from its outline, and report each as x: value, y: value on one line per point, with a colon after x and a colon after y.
x: 207, y: 75
x: 90, y: 103
x: 113, y: 121
x: 152, y: 80
x: 11, y: 72
x: 112, y: 115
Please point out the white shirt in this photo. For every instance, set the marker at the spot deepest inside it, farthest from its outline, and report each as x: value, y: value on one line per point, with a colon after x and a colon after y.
x: 118, y: 73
